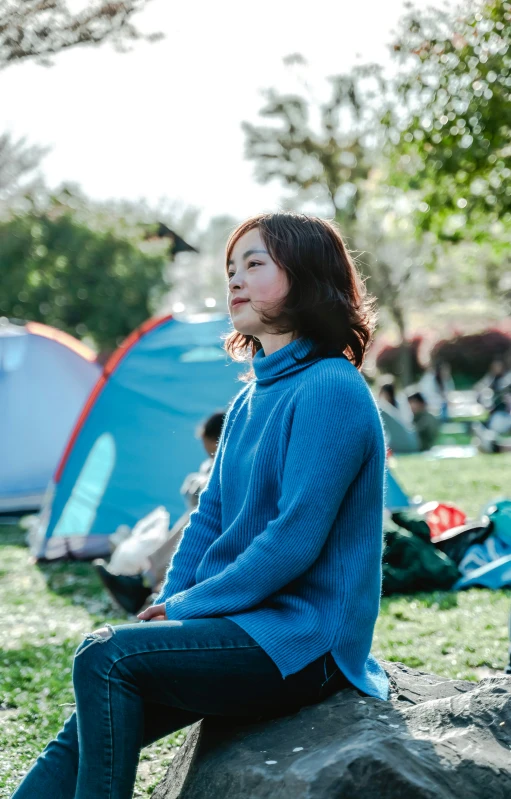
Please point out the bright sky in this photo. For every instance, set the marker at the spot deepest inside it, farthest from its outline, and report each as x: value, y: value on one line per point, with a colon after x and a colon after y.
x: 163, y: 121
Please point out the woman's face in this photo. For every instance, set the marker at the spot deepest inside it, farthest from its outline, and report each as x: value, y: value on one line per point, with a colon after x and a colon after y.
x: 257, y: 280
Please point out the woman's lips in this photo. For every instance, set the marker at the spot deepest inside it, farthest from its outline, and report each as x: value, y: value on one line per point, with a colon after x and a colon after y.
x: 237, y: 303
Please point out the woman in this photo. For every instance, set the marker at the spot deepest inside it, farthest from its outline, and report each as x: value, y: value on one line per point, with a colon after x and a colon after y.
x: 270, y: 601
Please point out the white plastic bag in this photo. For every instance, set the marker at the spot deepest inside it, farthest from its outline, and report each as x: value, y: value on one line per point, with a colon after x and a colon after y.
x: 131, y: 556
x: 121, y: 534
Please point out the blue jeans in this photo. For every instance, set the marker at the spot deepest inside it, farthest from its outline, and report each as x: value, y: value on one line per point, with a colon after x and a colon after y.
x: 136, y: 683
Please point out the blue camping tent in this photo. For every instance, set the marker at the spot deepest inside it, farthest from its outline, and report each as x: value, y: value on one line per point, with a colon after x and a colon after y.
x: 395, y: 497
x: 45, y: 378
x: 135, y: 441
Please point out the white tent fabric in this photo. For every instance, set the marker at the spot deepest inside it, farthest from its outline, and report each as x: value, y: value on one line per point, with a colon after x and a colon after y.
x: 45, y: 379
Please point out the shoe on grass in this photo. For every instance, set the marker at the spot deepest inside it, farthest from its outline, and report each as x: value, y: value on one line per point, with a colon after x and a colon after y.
x: 128, y: 591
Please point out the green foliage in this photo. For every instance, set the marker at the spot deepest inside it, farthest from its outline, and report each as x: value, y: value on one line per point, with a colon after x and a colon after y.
x: 409, y: 165
x: 83, y: 277
x: 450, y: 130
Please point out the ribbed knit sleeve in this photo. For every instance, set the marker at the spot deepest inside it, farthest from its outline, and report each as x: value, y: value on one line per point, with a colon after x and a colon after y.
x: 329, y: 441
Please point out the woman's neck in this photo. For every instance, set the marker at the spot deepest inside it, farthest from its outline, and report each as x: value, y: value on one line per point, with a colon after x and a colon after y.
x: 271, y: 342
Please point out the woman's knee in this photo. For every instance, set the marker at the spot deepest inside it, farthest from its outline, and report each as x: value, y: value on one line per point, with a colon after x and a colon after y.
x: 92, y: 650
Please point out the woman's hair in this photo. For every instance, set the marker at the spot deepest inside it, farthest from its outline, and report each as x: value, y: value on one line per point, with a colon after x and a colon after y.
x: 327, y: 300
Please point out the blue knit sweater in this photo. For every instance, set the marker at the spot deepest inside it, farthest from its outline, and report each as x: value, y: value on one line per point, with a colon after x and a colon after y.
x: 287, y: 538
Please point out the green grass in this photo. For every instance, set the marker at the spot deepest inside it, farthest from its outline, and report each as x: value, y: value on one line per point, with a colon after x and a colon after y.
x: 44, y: 612
x: 46, y: 609
x: 459, y: 635
x: 470, y: 483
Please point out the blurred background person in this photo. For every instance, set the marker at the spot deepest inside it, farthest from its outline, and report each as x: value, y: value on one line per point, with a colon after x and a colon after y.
x: 492, y: 387
x: 435, y: 385
x: 426, y: 425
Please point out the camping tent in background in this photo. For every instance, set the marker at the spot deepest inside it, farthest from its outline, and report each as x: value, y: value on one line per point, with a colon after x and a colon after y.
x: 45, y: 378
x: 395, y: 497
x: 135, y: 440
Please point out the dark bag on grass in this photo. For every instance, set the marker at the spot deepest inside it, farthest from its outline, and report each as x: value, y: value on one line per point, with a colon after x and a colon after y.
x: 411, y: 563
x: 454, y: 542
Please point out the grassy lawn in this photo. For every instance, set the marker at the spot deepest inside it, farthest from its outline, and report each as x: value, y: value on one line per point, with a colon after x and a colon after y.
x: 45, y: 610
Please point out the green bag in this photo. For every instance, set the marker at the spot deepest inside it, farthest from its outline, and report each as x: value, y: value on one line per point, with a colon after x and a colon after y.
x: 411, y: 562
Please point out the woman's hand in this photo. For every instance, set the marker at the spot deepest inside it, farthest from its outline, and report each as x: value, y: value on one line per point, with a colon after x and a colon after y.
x: 154, y: 613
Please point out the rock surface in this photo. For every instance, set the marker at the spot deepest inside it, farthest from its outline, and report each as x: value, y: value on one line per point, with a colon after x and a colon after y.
x: 434, y: 739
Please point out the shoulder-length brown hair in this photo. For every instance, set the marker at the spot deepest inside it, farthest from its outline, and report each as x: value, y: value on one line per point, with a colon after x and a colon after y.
x: 327, y: 300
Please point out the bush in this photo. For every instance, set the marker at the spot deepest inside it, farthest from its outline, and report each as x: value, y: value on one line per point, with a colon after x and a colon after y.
x: 391, y: 360
x: 470, y: 355
x: 87, y: 280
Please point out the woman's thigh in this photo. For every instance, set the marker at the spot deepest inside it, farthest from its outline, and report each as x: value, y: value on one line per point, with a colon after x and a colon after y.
x: 201, y: 666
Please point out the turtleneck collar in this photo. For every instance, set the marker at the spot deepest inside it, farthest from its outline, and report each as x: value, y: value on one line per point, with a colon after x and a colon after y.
x: 283, y: 362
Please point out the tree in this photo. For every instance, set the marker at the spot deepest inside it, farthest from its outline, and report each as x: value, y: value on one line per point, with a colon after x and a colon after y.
x: 197, y: 276
x: 18, y: 162
x: 88, y: 279
x: 38, y: 29
x: 336, y: 162
x: 41, y: 28
x: 329, y: 161
x: 449, y: 134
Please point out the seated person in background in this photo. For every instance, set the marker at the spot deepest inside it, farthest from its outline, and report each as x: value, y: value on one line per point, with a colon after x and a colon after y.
x: 500, y: 417
x: 435, y: 385
x: 490, y: 387
x: 389, y: 395
x: 131, y: 591
x: 399, y: 432
x: 426, y: 425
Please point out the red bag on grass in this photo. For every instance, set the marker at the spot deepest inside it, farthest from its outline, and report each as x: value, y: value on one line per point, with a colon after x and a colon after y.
x: 441, y: 516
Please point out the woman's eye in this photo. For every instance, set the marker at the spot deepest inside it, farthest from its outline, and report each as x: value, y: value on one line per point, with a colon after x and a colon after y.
x: 250, y: 263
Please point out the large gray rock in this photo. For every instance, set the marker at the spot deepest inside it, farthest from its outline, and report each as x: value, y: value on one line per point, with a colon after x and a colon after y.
x: 434, y: 739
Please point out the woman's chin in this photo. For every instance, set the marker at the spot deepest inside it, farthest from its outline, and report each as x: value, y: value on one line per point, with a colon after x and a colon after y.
x: 245, y: 329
